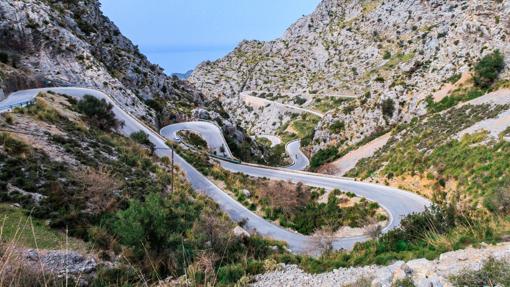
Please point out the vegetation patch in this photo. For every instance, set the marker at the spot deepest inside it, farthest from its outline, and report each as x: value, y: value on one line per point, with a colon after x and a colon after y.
x: 275, y: 155
x: 457, y: 96
x: 329, y: 103
x: 425, y: 235
x: 388, y: 107
x: 493, y: 273
x: 323, y: 156
x: 425, y: 149
x: 337, y: 127
x: 298, y: 206
x: 488, y: 68
x: 332, y: 153
x: 193, y: 139
x: 486, y: 73
x: 305, y: 126
x: 123, y: 200
x: 21, y: 229
x: 98, y: 112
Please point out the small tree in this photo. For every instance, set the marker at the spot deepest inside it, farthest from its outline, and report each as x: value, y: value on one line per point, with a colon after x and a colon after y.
x: 142, y: 138
x: 99, y: 112
x: 388, y: 108
x: 488, y: 69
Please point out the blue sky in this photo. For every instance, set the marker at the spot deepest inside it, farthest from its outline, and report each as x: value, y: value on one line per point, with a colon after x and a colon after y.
x: 179, y: 34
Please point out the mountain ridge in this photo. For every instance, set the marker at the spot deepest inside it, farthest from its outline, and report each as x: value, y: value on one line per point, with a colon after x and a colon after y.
x: 395, y: 51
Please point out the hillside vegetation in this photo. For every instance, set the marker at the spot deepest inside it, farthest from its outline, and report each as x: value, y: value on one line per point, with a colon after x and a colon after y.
x: 68, y: 169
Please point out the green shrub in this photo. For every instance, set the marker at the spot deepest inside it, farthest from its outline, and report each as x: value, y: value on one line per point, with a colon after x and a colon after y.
x: 387, y: 55
x: 13, y: 146
x: 454, y: 79
x: 9, y: 118
x: 299, y: 100
x: 337, y: 126
x: 323, y: 156
x: 119, y: 275
x: 230, y: 274
x: 193, y: 139
x: 99, y: 112
x: 388, y: 107
x: 488, y: 69
x: 148, y: 225
x: 142, y: 138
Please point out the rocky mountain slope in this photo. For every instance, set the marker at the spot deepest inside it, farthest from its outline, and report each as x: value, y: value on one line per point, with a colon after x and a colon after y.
x: 390, y: 54
x: 50, y: 43
x: 71, y: 43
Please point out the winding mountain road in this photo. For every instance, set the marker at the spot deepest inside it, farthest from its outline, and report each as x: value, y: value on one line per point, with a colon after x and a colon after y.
x: 398, y: 203
x: 210, y: 132
x: 258, y: 102
x: 217, y: 144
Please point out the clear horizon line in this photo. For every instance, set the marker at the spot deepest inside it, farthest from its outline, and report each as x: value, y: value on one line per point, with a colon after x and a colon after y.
x: 187, y: 48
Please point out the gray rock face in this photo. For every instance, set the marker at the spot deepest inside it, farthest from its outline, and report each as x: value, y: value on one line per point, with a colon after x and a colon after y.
x: 377, y: 50
x: 71, y: 43
x: 423, y: 272
x: 62, y: 262
x: 35, y: 197
x: 201, y: 114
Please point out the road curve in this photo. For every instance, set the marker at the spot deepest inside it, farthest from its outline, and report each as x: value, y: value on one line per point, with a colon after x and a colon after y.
x: 398, y: 203
x: 217, y: 144
x: 299, y: 159
x: 210, y: 132
x: 261, y: 101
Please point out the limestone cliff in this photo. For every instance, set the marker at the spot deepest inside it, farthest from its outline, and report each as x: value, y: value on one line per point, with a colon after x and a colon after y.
x: 374, y: 50
x: 50, y: 43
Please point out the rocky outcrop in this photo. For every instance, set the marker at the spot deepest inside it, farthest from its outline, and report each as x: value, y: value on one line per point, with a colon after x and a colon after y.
x: 32, y: 267
x: 423, y: 272
x: 61, y: 263
x: 71, y: 43
x: 401, y: 51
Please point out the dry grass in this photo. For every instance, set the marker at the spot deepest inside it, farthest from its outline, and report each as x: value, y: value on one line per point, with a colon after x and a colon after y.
x: 100, y: 185
x: 285, y: 195
x: 15, y: 269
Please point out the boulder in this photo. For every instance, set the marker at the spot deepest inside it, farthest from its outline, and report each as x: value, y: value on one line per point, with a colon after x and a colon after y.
x: 201, y: 114
x: 240, y: 232
x: 246, y: 192
x: 62, y: 262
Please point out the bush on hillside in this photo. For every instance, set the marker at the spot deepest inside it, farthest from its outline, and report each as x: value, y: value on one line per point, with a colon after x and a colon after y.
x: 488, y: 69
x: 337, y: 126
x: 388, y: 107
x: 142, y: 138
x: 323, y: 156
x: 99, y: 112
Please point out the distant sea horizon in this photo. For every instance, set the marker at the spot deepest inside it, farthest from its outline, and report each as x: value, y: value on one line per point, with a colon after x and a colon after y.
x: 183, y: 59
